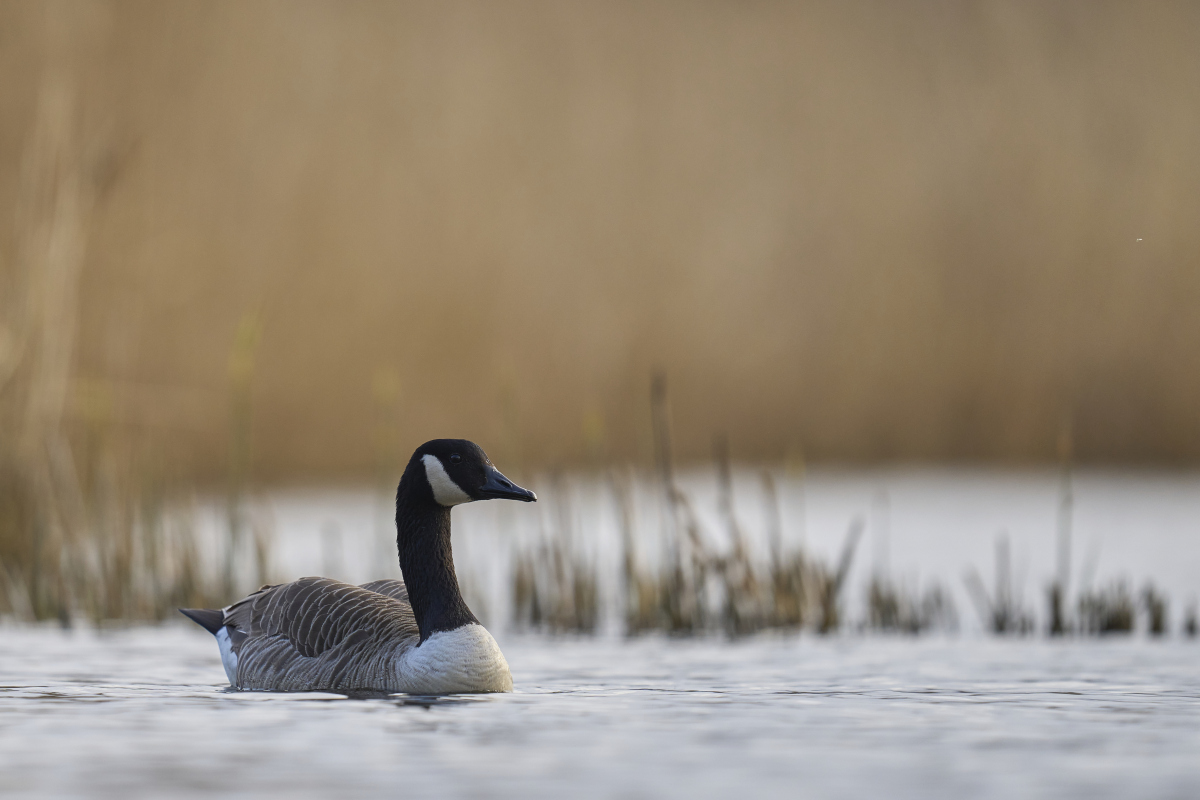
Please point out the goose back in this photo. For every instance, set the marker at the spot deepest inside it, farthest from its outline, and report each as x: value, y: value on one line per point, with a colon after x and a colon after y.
x: 319, y: 633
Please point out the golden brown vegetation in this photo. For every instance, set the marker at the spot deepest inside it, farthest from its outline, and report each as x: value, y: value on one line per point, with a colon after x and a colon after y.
x: 888, y: 230
x: 83, y: 525
x: 695, y: 587
x: 320, y: 233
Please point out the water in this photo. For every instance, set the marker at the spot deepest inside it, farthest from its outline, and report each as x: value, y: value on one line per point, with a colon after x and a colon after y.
x: 923, y: 525
x: 145, y: 713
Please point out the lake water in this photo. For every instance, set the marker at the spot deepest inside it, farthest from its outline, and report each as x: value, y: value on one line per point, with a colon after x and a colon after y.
x: 145, y: 712
x: 923, y: 526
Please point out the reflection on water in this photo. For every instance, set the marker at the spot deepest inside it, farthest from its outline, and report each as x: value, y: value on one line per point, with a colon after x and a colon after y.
x: 145, y: 712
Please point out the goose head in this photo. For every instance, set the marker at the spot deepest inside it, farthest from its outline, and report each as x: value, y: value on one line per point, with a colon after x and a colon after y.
x: 458, y: 471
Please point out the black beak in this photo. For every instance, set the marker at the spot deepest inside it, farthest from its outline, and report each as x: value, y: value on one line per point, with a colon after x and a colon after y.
x: 498, y: 487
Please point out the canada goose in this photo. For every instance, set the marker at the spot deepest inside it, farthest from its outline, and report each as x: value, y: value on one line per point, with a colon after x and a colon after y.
x: 415, y: 635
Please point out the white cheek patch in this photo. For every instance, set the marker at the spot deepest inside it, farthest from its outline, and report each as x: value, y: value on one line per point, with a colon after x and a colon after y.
x: 445, y: 490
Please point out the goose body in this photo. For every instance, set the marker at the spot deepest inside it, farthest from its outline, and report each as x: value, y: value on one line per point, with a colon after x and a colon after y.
x: 415, y: 635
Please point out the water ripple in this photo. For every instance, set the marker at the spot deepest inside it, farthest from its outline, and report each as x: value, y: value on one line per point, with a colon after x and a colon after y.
x: 145, y: 713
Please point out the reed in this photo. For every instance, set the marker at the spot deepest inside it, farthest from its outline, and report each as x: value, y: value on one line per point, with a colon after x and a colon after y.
x: 1108, y: 610
x: 1056, y: 593
x: 640, y: 590
x: 554, y: 591
x: 790, y: 574
x: 86, y: 527
x: 895, y: 608
x: 554, y: 584
x: 747, y: 600
x: 829, y: 583
x: 696, y: 586
x: 1155, y: 605
x: 1001, y: 611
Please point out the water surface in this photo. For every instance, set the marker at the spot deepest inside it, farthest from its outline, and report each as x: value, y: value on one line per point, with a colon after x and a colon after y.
x: 145, y: 713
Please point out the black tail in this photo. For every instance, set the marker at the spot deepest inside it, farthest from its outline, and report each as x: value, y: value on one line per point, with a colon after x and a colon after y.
x: 211, y: 619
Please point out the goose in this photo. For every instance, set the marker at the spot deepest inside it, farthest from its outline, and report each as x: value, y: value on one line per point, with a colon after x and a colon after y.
x: 415, y: 636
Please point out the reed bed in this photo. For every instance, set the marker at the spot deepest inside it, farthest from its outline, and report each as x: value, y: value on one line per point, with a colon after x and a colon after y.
x: 692, y: 587
x: 1111, y: 609
x: 684, y: 573
x: 893, y: 607
x: 1155, y: 605
x: 1001, y: 610
x: 554, y: 584
x: 87, y: 529
x: 1107, y: 610
x: 705, y: 580
x: 90, y: 529
x: 706, y: 577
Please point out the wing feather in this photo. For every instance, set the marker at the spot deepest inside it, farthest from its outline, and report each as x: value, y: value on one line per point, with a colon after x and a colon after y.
x: 318, y: 633
x: 393, y: 588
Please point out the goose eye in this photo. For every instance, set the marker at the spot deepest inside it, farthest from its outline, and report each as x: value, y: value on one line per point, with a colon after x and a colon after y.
x: 455, y: 458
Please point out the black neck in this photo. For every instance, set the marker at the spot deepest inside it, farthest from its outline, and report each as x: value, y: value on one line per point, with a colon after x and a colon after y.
x: 423, y: 540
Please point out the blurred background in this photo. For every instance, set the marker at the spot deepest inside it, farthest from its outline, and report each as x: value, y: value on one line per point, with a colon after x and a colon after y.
x: 246, y: 246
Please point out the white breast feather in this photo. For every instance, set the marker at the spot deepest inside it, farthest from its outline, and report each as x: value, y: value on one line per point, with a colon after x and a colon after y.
x: 445, y: 490
x: 466, y: 659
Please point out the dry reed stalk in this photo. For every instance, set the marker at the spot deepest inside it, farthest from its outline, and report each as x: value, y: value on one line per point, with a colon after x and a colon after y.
x: 1057, y: 593
x: 1106, y: 611
x: 1155, y: 604
x: 554, y: 591
x: 554, y: 584
x: 677, y: 600
x: 746, y: 599
x: 689, y: 565
x: 792, y: 575
x: 787, y: 601
x: 892, y: 607
x: 551, y: 584
x: 685, y: 575
x: 82, y: 529
x: 48, y: 507
x: 829, y: 584
x: 526, y: 599
x: 641, y: 600
x: 1002, y: 611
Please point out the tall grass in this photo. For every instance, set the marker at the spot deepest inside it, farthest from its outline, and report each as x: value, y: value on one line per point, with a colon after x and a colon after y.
x: 1107, y: 610
x: 1058, y: 590
x: 554, y: 584
x: 707, y: 578
x: 1022, y: 201
x: 898, y: 608
x: 1000, y: 610
x: 695, y: 586
x: 86, y: 529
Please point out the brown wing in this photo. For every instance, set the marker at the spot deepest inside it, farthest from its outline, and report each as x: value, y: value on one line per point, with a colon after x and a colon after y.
x: 318, y: 633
